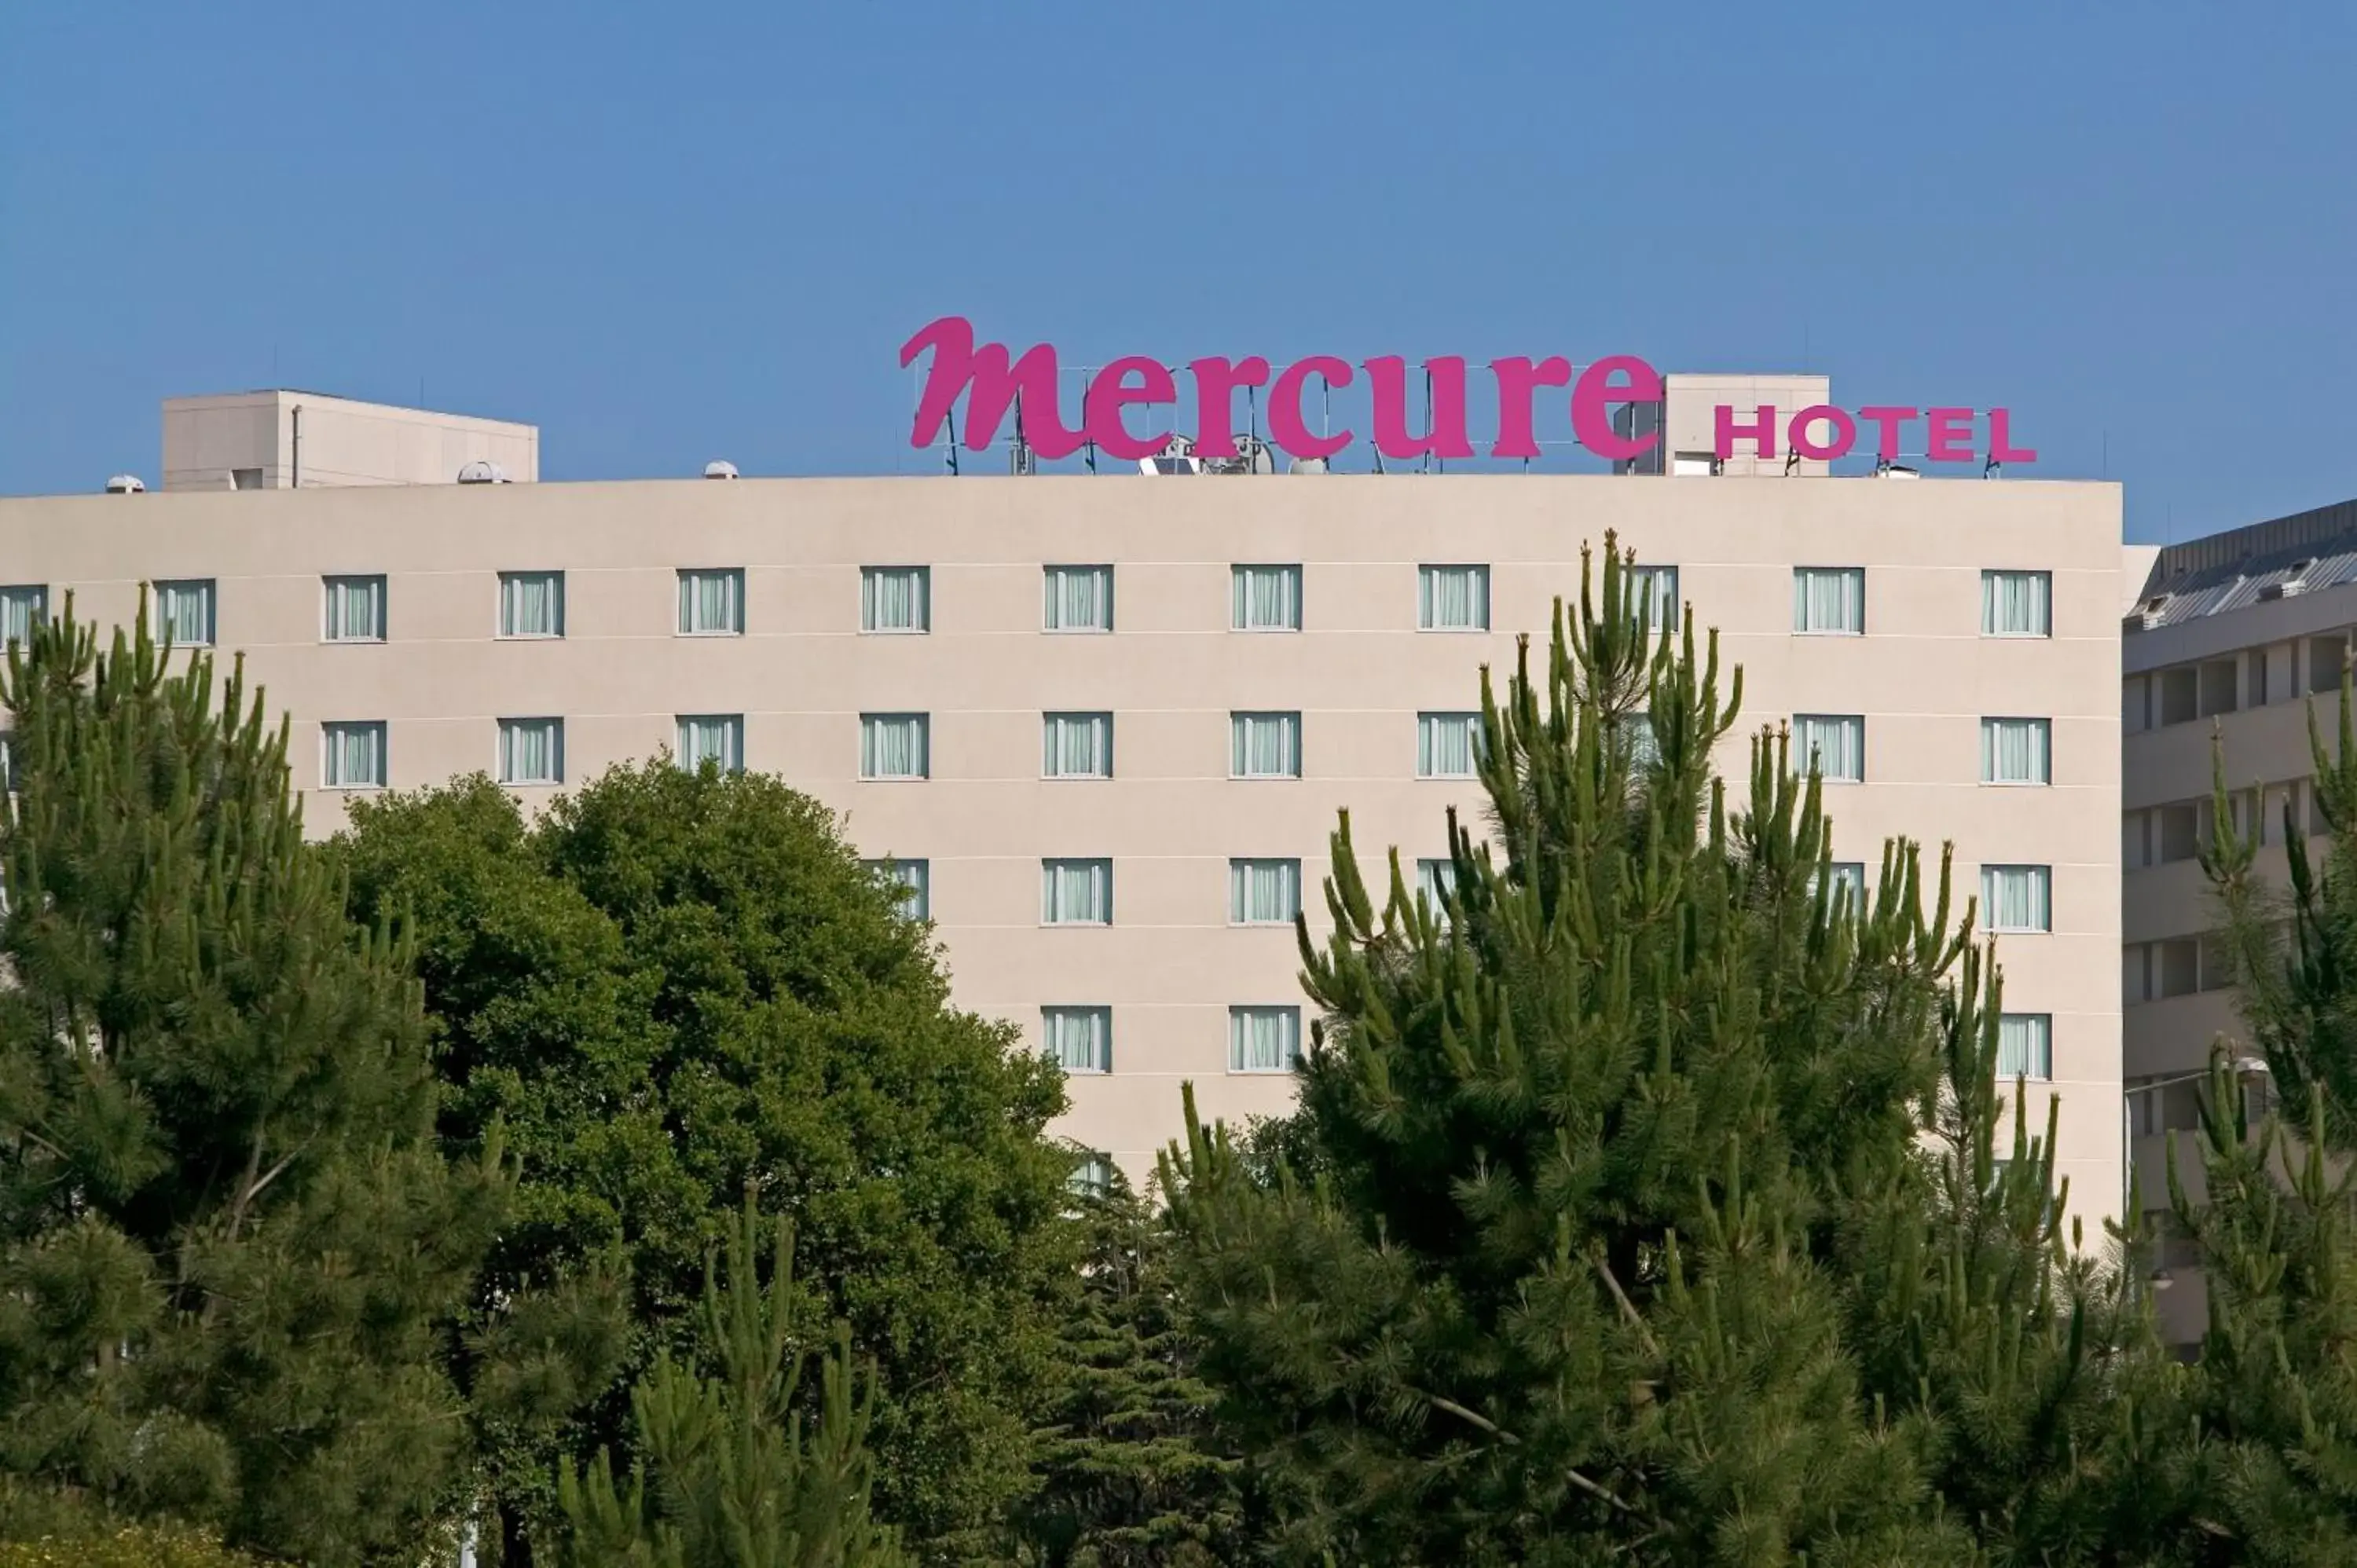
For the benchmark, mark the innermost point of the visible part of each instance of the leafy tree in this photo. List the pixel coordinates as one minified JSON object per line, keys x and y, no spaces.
{"x":674,"y":985}
{"x":742,"y":1477}
{"x":1134,"y":1474}
{"x":1643,"y":1201}
{"x":229,"y":1244}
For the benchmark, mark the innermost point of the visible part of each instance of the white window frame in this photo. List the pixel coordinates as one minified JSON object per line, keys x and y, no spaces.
{"x":924,"y":723}
{"x":1427,"y":597}
{"x":692,"y":581}
{"x":1435,"y":878}
{"x":732,"y":759}
{"x":331,"y":586}
{"x":1651,"y":580}
{"x":1051,"y":610}
{"x":28,"y":603}
{"x":916,"y":879}
{"x":1097,"y":1058}
{"x":1052,"y":869}
{"x":1846,"y":874}
{"x":505,"y":621}
{"x":1241,"y":1018}
{"x":1241,"y":599}
{"x":872,"y":577}
{"x":508,"y":728}
{"x":172,"y":588}
{"x":2040,"y":1050}
{"x":1805,"y":578}
{"x":1091,"y":1175}
{"x":1051,"y":751}
{"x":2042,"y":879}
{"x":1239,"y":724}
{"x":1992,"y":730}
{"x":1241,"y":869}
{"x":1990,"y":579}
{"x":1430,"y":727}
{"x":332,"y":735}
{"x":1802,"y":751}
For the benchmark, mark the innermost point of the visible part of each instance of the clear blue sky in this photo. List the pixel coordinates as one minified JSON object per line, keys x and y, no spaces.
{"x":667,"y":234}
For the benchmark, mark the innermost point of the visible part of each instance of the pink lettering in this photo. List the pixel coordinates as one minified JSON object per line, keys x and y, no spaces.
{"x":1285,"y":426}
{"x":1387,"y":379}
{"x":1952,"y":434}
{"x":1887,"y":419}
{"x":1110,"y":393}
{"x":990,"y":384}
{"x":1762,"y":431}
{"x":1216,"y":382}
{"x":1591,"y":401}
{"x":1517,"y":379}
{"x":2001,"y":447}
{"x":1845,"y":434}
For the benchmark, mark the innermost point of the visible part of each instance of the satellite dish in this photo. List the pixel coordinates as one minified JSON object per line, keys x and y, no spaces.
{"x":720,"y":468}
{"x":125,"y":485}
{"x":1308,"y":465}
{"x":482,"y":473}
{"x":1177,"y":456}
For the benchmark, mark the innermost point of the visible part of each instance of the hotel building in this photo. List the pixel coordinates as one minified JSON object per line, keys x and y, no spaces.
{"x":1103,"y":725}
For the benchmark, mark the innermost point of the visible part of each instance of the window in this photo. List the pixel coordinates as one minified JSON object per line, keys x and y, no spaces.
{"x":1264,"y":892}
{"x":1078,"y":1039}
{"x":1080,"y":598}
{"x":915,"y":878}
{"x":532,"y":604}
{"x":2025,"y":1046}
{"x":1435,"y":881}
{"x":1076,"y":745}
{"x":22,"y":608}
{"x":2180,"y":696}
{"x":1447,"y":746}
{"x":1452,"y":599}
{"x":184,"y":612}
{"x":1091,"y":1175}
{"x":1829,"y":599}
{"x":354,"y":609}
{"x":1264,"y":1039}
{"x":1836,"y":741}
{"x":1645,"y":747}
{"x":1076,"y":893}
{"x":1265,"y":599}
{"x":1846,"y":880}
{"x":2182,"y":834}
{"x":354,"y":757}
{"x":532,"y":751}
{"x":896,"y":598}
{"x":1653,"y":592}
{"x":712,"y":603}
{"x":716,"y":738}
{"x":1264,"y":746}
{"x":2016,"y":899}
{"x":2327,"y":657}
{"x":895,"y":746}
{"x":2017,"y":751}
{"x":2017,"y":603}
{"x":245,"y":479}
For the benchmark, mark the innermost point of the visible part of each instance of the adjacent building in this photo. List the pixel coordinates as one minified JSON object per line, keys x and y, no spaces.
{"x":1101,"y":728}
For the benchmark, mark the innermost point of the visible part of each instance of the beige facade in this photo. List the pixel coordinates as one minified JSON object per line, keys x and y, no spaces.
{"x":780,"y":642}
{"x":2227,"y":640}
{"x":289,"y":440}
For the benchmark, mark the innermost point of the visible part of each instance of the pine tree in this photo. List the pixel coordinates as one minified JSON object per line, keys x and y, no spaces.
{"x":229,"y":1244}
{"x":731,"y":1472}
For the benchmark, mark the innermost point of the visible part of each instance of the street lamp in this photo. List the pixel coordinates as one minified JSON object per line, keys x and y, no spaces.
{"x":2242,"y":1066}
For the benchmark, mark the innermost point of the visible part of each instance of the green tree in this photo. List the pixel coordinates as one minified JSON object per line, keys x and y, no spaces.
{"x":742,"y":1477}
{"x":1643,"y":1202}
{"x":230,"y":1244}
{"x":1133,"y":1473}
{"x":671,"y":985}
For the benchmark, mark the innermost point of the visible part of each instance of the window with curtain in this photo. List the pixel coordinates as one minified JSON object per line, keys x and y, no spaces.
{"x":1846,"y":878}
{"x":1654,"y":590}
{"x":355,"y":756}
{"x":1829,"y":599}
{"x":712,"y":602}
{"x":1076,"y":745}
{"x":1091,"y":1175}
{"x":1080,"y":598}
{"x":2025,"y":1046}
{"x":1078,"y":1039}
{"x":895,"y":746}
{"x":1452,"y":599}
{"x":1264,"y":746}
{"x":1644,"y":749}
{"x":1447,"y":746}
{"x":896,"y":598}
{"x":1076,"y":891}
{"x":2016,"y":899}
{"x":1264,"y":598}
{"x":1836,"y":742}
{"x":915,"y":878}
{"x":184,"y":612}
{"x":1436,"y":880}
{"x":2017,"y":603}
{"x":716,"y":738}
{"x":532,"y":751}
{"x":1264,"y":892}
{"x":2017,"y":751}
{"x":22,"y":608}
{"x":532,"y":604}
{"x":1264,"y":1039}
{"x":355,"y":609}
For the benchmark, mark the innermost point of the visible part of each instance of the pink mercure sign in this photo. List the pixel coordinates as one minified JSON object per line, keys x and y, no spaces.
{"x":992,"y":381}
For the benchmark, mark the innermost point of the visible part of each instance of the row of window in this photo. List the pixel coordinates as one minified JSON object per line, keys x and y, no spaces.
{"x":1079,"y":746}
{"x":2252,"y":678}
{"x":1076,"y":598}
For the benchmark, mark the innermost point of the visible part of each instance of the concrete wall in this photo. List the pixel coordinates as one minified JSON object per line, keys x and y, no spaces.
{"x":207,"y":441}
